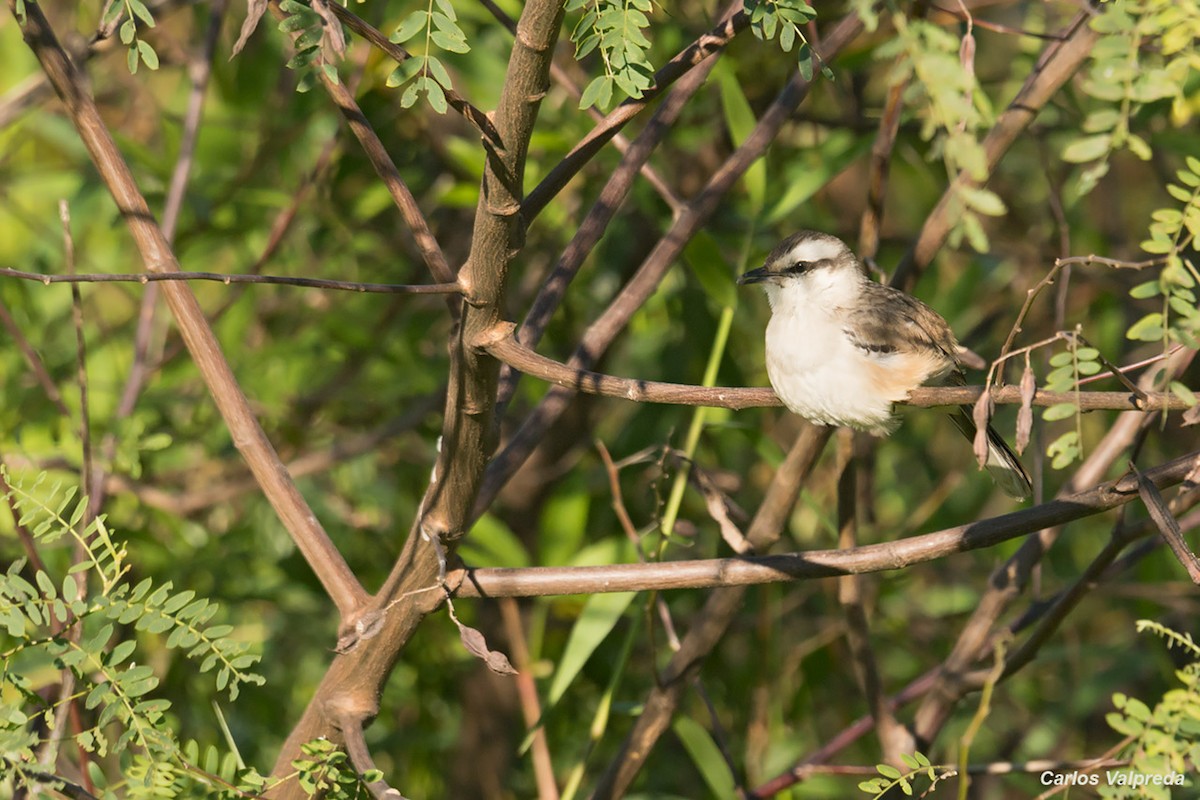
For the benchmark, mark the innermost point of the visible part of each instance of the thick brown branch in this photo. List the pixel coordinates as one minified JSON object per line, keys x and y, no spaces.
{"x":247,"y":434}
{"x":366,"y":655}
{"x":501,"y":344}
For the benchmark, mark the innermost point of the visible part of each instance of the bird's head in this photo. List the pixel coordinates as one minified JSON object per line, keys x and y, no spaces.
{"x":807,"y":262}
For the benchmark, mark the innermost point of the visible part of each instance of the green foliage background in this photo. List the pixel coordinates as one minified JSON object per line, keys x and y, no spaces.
{"x":328,"y":370}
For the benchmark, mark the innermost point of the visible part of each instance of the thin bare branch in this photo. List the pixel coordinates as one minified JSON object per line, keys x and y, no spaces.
{"x":594,"y":224}
{"x":33,"y":360}
{"x":230,"y":279}
{"x":531,"y":710}
{"x":1168,"y":526}
{"x":385,"y":167}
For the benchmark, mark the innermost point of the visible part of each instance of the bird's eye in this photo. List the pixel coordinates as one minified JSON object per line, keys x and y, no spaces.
{"x":798,"y":268}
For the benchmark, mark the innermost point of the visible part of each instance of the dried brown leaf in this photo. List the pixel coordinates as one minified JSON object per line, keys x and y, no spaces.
{"x":333,"y":38}
{"x":966,"y":54}
{"x":981,"y":414}
{"x":1192,"y":416}
{"x":1025,"y":413}
{"x":254,"y":11}
{"x":477,"y":646}
{"x":718,"y":508}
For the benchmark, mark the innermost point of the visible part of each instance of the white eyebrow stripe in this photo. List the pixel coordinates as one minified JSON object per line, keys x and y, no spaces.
{"x":815,"y":250}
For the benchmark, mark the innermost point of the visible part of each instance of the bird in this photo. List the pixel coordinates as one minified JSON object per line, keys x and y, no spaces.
{"x":842,"y":349}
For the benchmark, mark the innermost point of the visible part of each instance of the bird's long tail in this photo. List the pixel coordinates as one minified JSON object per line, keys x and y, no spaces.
{"x":1002,"y":462}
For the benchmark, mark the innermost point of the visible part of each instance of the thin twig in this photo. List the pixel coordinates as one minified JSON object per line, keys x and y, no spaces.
{"x":40,"y":372}
{"x":230,"y":279}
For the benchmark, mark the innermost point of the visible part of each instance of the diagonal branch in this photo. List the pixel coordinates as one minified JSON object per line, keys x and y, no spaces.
{"x":491,"y":138}
{"x":248,"y":436}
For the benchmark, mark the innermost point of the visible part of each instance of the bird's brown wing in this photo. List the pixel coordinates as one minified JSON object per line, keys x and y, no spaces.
{"x":890,"y":321}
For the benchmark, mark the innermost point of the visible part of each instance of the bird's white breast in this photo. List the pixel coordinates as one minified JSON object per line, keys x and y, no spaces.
{"x":817,"y":370}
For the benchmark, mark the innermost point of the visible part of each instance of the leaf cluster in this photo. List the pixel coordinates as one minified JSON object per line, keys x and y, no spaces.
{"x":1164,"y":739}
{"x":1145,"y":55}
{"x":617,"y":30}
{"x":63,"y":624}
{"x":891,"y":778}
{"x":311,"y":35}
{"x":140,"y":51}
{"x":937,"y":70}
{"x":426,"y":74}
{"x":326,"y":771}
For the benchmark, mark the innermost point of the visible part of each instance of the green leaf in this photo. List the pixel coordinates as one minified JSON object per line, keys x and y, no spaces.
{"x":147,"y":53}
{"x":706,"y":756}
{"x":405,"y":72}
{"x":887,"y":771}
{"x":1087,"y":148}
{"x":450,"y":42}
{"x":1062,"y":360}
{"x":983,"y":200}
{"x":1183,"y":393}
{"x":804,"y":62}
{"x":493,"y":544}
{"x":112,"y":14}
{"x":598,"y":93}
{"x":1145,"y":290}
{"x":1147,"y":329}
{"x":704,"y":258}
{"x":1059,"y":411}
{"x":437,"y":97}
{"x":438,"y":71}
{"x":142,"y":13}
{"x":741,"y":123}
{"x":599,"y":616}
{"x":1179,"y":193}
{"x":410,"y":27}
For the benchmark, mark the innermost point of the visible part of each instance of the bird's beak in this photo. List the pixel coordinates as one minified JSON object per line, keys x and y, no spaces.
{"x":754,"y":276}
